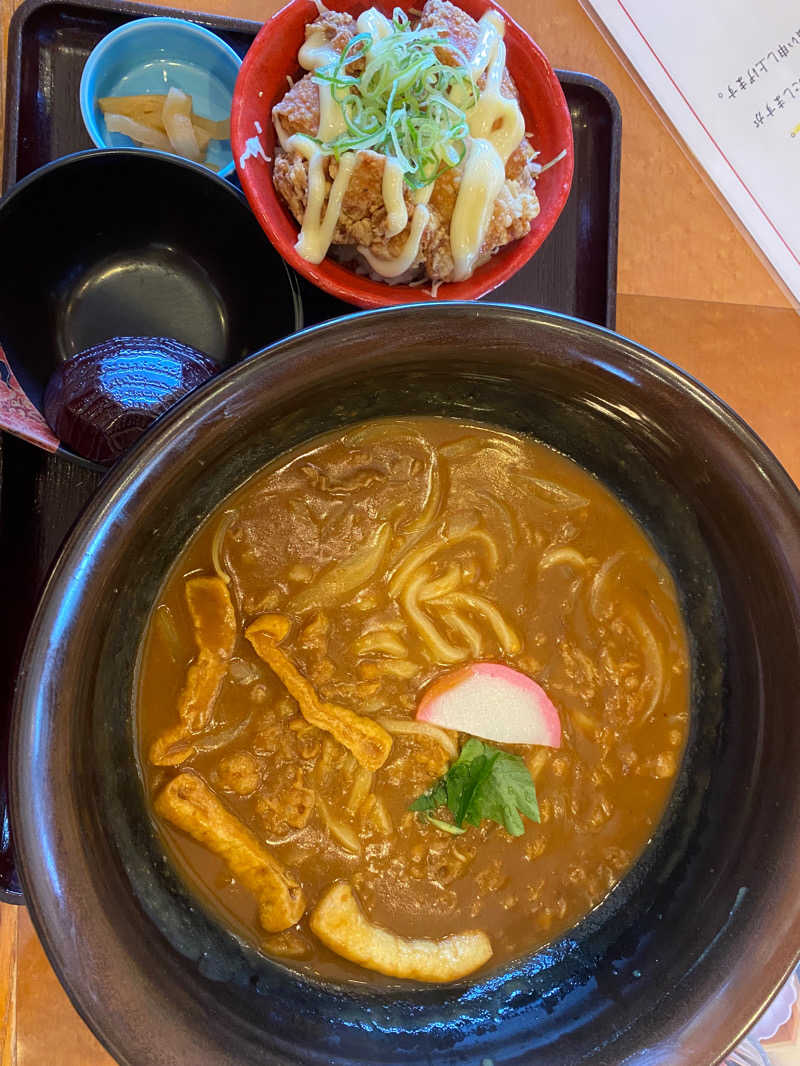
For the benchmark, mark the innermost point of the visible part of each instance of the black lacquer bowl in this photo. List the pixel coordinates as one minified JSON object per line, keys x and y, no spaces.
{"x":134,"y":243}
{"x":676,"y":963}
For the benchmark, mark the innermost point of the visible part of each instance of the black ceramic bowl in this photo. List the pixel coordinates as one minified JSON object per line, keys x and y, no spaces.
{"x":678,"y":961}
{"x":134,"y":243}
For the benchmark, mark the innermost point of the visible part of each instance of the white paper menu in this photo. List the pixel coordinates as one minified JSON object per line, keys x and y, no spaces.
{"x":727,"y":75}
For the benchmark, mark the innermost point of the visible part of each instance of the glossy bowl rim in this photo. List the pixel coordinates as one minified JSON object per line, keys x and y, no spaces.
{"x":133,"y":28}
{"x":132,"y":468}
{"x":344,"y":283}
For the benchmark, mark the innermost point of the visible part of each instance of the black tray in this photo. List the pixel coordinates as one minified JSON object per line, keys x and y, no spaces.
{"x":41,"y":495}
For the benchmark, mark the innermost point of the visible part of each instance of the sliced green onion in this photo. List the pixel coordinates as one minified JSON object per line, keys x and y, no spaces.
{"x":447,"y":827}
{"x":406,"y":104}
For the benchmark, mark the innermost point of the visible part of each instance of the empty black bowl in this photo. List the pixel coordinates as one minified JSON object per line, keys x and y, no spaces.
{"x":134,"y":243}
{"x":676,"y":963}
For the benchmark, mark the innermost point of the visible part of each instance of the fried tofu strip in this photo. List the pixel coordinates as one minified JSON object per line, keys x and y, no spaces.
{"x":341,"y":925}
{"x":212,"y":614}
{"x":214,"y":624}
{"x":195,"y":704}
{"x":368,"y":741}
{"x":190,"y":804}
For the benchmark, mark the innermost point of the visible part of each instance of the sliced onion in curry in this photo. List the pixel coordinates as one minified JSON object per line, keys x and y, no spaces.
{"x":509,"y":559}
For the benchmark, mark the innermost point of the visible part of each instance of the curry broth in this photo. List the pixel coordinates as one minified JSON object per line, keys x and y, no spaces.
{"x":351,"y":539}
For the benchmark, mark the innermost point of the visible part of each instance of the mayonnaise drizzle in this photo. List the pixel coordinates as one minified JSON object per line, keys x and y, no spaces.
{"x":495,"y":118}
{"x":316,"y":52}
{"x":496,"y":129}
{"x":392,"y":190}
{"x":317,"y":230}
{"x":423,"y":195}
{"x":283,"y":137}
{"x":298,"y":142}
{"x":491,"y":28}
{"x":481,"y":182}
{"x":404,"y":260}
{"x":373,"y":22}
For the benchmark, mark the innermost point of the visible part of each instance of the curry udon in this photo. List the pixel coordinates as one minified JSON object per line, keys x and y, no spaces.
{"x":295,"y":641}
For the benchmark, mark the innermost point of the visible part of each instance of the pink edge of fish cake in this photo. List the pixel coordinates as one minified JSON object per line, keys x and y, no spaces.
{"x":495,"y":702}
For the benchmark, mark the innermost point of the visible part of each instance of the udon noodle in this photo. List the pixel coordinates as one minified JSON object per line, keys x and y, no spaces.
{"x":314,"y":645}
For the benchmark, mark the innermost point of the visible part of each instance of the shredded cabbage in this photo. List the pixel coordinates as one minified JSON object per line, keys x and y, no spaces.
{"x":402,"y":104}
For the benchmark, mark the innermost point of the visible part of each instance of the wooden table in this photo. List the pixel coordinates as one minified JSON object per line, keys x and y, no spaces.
{"x":690,"y":286}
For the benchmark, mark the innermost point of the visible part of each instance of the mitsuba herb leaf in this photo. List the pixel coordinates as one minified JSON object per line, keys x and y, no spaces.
{"x":507,"y":793}
{"x":484,"y":782}
{"x":429,"y":801}
{"x":465,"y":779}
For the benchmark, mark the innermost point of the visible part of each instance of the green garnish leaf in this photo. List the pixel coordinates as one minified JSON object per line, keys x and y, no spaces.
{"x":406,"y":103}
{"x":437,"y":797}
{"x":483,"y":783}
{"x":509,"y":792}
{"x":466,"y":778}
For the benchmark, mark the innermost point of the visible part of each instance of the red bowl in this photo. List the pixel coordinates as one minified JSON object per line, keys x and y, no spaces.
{"x":262,"y":82}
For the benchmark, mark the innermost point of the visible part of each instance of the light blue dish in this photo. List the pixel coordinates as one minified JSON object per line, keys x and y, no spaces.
{"x":151,"y":55}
